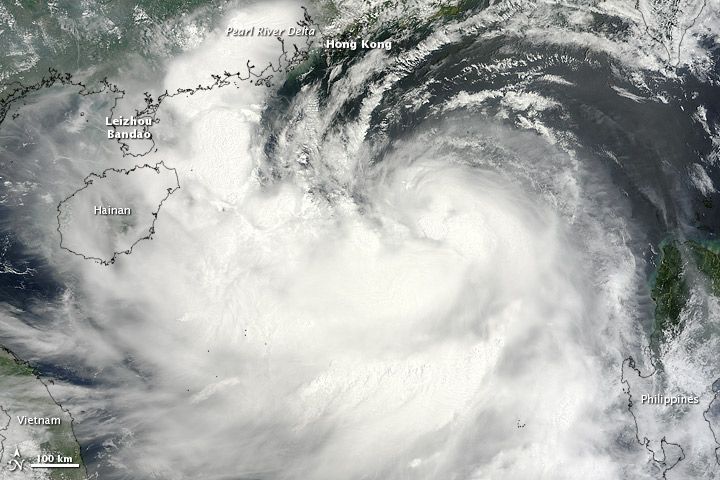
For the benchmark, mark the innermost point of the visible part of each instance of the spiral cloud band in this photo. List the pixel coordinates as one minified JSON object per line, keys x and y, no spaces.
{"x":435,"y":252}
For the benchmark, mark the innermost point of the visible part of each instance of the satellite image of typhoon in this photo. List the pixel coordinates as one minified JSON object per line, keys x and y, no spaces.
{"x":360,"y":240}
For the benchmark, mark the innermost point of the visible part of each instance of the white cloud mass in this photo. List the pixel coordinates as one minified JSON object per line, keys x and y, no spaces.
{"x":457,"y":311}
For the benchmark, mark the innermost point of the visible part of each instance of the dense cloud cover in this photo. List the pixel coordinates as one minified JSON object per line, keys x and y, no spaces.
{"x":370,"y":277}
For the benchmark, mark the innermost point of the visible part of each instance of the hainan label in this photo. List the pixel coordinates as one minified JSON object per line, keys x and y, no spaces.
{"x":100,"y":210}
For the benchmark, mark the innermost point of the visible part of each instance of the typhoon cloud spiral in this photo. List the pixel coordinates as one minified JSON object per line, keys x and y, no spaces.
{"x":351,"y":240}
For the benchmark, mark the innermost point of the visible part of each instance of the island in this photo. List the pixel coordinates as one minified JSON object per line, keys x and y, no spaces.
{"x":114,"y":211}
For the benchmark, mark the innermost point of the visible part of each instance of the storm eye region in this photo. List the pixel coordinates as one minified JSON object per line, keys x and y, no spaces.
{"x":443,"y":298}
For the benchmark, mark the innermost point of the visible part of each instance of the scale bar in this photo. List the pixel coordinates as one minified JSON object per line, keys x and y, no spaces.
{"x":55,"y":465}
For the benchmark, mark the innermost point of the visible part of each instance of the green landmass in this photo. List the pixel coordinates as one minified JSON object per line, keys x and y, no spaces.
{"x":22,"y":393}
{"x":669,"y":286}
{"x":707,"y":258}
{"x":669,"y":290}
{"x":11,"y":367}
{"x":455,"y":9}
{"x":67,"y":35}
